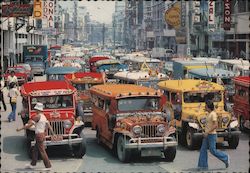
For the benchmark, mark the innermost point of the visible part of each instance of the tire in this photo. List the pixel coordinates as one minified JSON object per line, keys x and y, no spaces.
{"x":122,"y":153}
{"x":170,"y":154}
{"x":191,"y":143}
{"x":80,"y":149}
{"x":233,"y":142}
{"x":241,"y":123}
{"x":98,"y":136}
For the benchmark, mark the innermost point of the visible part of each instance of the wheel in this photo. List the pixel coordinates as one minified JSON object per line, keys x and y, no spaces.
{"x":123,"y":154}
{"x":80,"y":149}
{"x":170,"y":154}
{"x":190,"y":139}
{"x":233,"y":142}
{"x":98,"y":136}
{"x":242,"y":121}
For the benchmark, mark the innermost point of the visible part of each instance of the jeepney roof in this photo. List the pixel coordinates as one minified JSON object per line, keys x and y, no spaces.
{"x":235,"y":61}
{"x":137,"y":75}
{"x":212,"y":72}
{"x":124,"y":90}
{"x":242,"y":80}
{"x":32,"y":87}
{"x":107,"y":61}
{"x":61,"y":70}
{"x":194,"y":62}
{"x":139,"y":58}
{"x":83,"y":74}
{"x":189,"y":85}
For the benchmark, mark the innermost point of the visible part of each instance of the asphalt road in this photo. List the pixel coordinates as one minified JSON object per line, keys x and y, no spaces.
{"x":100,"y":159}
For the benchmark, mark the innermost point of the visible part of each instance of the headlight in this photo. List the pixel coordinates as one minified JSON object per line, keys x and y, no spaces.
{"x":120,"y":70}
{"x":106,"y":70}
{"x":67,"y":124}
{"x":225,"y":120}
{"x":161,"y":128}
{"x":137,"y":129}
{"x":203,"y":120}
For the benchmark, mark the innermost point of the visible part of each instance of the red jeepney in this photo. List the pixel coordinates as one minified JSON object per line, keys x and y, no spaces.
{"x":241,"y":101}
{"x":20,"y":73}
{"x":58,"y":98}
{"x":94,"y":59}
{"x":82,"y":81}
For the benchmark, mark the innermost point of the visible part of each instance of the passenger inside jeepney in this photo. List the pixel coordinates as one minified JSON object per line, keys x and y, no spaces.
{"x":177,"y":107}
{"x":66,"y":101}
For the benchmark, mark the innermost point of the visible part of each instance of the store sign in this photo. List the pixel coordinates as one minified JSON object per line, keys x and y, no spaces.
{"x":173,"y":16}
{"x":227,"y":15}
{"x":183,"y":13}
{"x":211,"y":15}
{"x":38,"y":9}
{"x":217,"y":36}
{"x":17,"y":10}
{"x":48,"y":13}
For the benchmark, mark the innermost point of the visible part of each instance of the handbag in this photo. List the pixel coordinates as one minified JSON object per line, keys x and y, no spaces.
{"x":13,"y":100}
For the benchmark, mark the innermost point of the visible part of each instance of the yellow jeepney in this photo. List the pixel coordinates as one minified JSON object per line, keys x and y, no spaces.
{"x":185,"y":103}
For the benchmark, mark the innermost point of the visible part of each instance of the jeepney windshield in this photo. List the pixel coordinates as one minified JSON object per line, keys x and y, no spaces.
{"x":53,"y":102}
{"x":138,"y":104}
{"x":191,"y":97}
{"x":83,"y":86}
{"x":56,"y":77}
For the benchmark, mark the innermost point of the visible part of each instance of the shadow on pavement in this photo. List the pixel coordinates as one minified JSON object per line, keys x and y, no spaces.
{"x":205,"y":170}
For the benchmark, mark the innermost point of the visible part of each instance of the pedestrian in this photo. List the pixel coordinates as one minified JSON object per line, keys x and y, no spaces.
{"x":40,"y":122}
{"x":13,"y":93}
{"x":209,"y":139}
{"x":1,"y":94}
{"x":12,"y":78}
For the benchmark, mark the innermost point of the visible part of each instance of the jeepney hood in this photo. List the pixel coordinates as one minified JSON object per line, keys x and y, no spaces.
{"x":141,"y":119}
{"x":57,"y":114}
{"x":198,"y":114}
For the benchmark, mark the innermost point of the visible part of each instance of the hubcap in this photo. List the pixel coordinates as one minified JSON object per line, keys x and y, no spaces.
{"x":188,"y":138}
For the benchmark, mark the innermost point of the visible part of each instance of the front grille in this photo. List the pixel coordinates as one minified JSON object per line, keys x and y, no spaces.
{"x":57,"y":127}
{"x":149,"y":131}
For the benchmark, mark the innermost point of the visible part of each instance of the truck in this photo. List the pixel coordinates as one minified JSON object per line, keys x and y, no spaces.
{"x":37,"y":57}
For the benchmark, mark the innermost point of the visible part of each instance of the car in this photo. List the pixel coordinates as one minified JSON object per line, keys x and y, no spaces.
{"x":28,"y":70}
{"x":20,"y":73}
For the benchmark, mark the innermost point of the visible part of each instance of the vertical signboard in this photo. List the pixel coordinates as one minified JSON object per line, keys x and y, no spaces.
{"x":211,"y":15}
{"x":227,"y":15}
{"x":38,"y":9}
{"x":48,"y":13}
{"x":183,"y":13}
{"x":197,"y":12}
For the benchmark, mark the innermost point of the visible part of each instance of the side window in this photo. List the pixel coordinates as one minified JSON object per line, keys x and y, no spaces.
{"x":167,"y":94}
{"x":107,"y":104}
{"x":100,"y":103}
{"x":175,"y":98}
{"x":94,"y":100}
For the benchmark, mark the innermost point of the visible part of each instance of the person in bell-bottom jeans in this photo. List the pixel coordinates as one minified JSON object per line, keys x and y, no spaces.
{"x":209,"y":139}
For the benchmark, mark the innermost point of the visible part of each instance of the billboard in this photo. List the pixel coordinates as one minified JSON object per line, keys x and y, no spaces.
{"x":211,"y":15}
{"x":48,"y":14}
{"x":227,"y":15}
{"x":38,"y":9}
{"x":173,"y":16}
{"x":17,"y":10}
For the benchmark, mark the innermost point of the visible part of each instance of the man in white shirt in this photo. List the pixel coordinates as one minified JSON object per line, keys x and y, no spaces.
{"x":1,"y":94}
{"x":12,"y":78}
{"x":40,"y":122}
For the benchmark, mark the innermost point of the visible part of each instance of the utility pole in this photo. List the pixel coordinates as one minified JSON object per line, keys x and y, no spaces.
{"x":114,"y":26}
{"x":103,"y":35}
{"x":75,"y":20}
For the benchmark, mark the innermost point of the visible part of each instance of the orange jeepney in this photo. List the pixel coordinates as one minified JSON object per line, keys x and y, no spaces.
{"x":241,"y":101}
{"x":128,"y":119}
{"x":82,"y":81}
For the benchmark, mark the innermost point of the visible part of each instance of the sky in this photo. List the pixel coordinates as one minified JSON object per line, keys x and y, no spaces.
{"x":100,"y":11}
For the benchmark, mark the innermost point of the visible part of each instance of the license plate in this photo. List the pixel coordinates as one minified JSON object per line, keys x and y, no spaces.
{"x":57,"y":138}
{"x":150,"y":152}
{"x":220,"y":139}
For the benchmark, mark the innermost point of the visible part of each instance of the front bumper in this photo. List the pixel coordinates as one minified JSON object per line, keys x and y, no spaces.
{"x":158,"y":142}
{"x":227,"y":133}
{"x":67,"y":140}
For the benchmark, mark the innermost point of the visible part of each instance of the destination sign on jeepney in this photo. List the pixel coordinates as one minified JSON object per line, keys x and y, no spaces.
{"x":51,"y":92}
{"x":204,"y":85}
